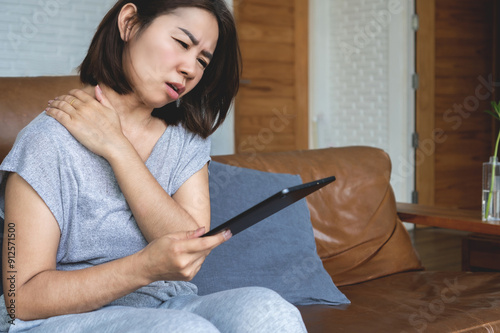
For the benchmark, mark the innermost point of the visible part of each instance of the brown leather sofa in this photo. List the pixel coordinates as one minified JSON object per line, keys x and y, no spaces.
{"x":363,"y":244}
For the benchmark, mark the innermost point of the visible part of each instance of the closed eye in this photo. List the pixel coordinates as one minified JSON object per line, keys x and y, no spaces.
{"x":184,"y":45}
{"x":203,"y":63}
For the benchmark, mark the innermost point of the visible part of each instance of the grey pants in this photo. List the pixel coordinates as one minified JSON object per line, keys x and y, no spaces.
{"x":251,"y":309}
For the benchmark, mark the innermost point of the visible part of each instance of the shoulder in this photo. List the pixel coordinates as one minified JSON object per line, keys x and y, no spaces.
{"x":44,"y":127}
{"x":43,"y":136}
{"x":189,"y":139}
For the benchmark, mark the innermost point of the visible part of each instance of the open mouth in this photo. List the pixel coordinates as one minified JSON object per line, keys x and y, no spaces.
{"x":178,"y":88}
{"x":173,"y":87}
{"x":174,"y":90}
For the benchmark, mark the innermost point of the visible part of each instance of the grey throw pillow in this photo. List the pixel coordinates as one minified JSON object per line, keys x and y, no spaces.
{"x":278,"y":253}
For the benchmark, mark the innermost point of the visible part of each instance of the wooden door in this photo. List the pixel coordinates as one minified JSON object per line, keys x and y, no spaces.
{"x":455,"y":64}
{"x":271,"y":109}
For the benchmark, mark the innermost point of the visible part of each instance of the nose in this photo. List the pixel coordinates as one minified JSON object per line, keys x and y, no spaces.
{"x":187,"y":67}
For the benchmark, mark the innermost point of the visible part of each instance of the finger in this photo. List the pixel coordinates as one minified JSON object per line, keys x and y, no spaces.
{"x":58,"y":98}
{"x":188,"y":234}
{"x":197,"y":264}
{"x":102,"y":98}
{"x":192,"y":267}
{"x":207,"y":243}
{"x":222,"y":237}
{"x":68,"y":100}
{"x":60,"y":115}
{"x":195,"y":233}
{"x":82,"y":95}
{"x":62,"y":109}
{"x":62,"y":104}
{"x":73,"y":100}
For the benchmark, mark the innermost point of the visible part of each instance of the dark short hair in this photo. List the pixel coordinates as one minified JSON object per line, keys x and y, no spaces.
{"x":204,"y":108}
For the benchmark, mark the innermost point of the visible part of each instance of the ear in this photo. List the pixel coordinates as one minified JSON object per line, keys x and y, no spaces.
{"x":126,"y":20}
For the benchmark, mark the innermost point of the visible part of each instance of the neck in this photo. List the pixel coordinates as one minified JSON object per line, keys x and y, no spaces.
{"x":132,"y":112}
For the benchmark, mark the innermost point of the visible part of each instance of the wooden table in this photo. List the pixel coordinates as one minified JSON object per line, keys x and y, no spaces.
{"x":480,"y":250}
{"x":456,"y":219}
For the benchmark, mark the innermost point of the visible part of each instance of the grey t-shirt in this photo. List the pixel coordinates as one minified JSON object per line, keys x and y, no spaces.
{"x":80,"y":189}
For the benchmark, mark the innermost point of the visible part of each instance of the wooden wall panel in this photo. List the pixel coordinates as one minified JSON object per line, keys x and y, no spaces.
{"x":266,"y":53}
{"x":273,"y":97}
{"x":464,"y":48}
{"x":424,"y":97}
{"x":302,"y":74}
{"x":455,"y":46}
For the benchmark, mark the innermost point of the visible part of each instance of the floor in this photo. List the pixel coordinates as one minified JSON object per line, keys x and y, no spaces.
{"x":439,"y":249}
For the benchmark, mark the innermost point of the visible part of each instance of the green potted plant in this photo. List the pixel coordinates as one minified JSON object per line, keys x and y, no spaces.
{"x":489,"y":176}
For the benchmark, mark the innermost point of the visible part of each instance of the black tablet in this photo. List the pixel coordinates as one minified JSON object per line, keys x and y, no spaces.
{"x":269,"y":206}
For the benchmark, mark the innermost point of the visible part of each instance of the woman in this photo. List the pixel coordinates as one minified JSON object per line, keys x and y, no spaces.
{"x":108,"y":208}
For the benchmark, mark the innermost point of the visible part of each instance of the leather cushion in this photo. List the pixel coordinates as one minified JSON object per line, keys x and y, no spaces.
{"x":414,"y":302}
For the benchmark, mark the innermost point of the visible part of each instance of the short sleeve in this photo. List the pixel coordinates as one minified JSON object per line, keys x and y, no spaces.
{"x":36,"y":158}
{"x":195,"y":154}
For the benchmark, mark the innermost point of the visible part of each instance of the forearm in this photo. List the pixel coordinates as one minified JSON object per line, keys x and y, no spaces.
{"x":155,"y":211}
{"x":53,"y":293}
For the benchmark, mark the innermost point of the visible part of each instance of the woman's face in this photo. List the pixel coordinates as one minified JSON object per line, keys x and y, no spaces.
{"x":167,"y":59}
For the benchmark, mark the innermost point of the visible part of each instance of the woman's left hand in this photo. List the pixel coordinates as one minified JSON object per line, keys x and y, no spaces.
{"x":93,"y":122}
